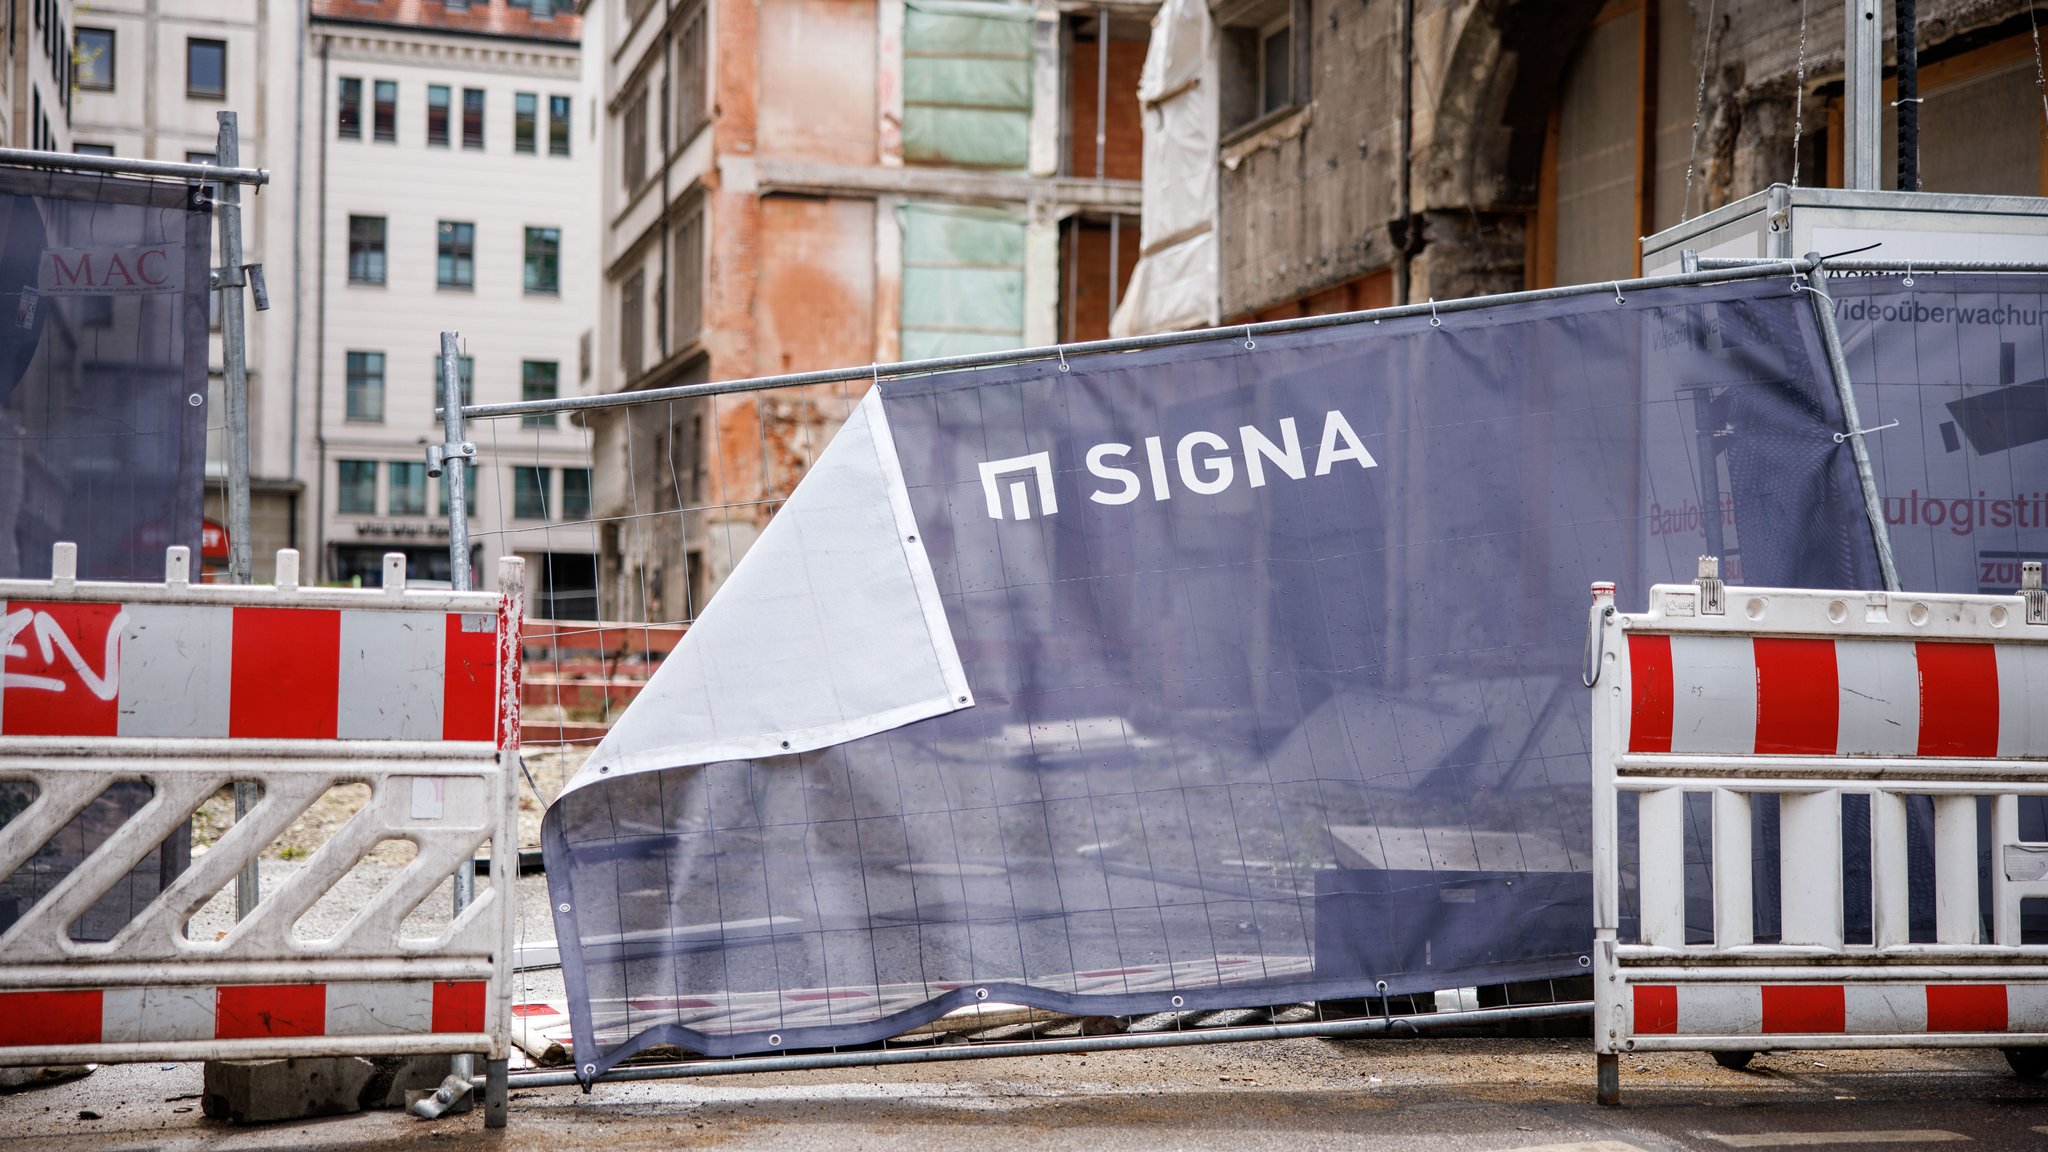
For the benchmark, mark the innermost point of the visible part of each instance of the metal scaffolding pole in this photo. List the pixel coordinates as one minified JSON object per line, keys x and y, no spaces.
{"x":228,"y":280}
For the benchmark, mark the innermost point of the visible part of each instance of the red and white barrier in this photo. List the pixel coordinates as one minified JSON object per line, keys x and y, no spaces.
{"x":35,"y":1023}
{"x":188,"y":688}
{"x":1808,"y":696}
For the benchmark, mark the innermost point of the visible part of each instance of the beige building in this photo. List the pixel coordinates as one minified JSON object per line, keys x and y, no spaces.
{"x":36,"y":74}
{"x":448,"y":174}
{"x":426,"y":173}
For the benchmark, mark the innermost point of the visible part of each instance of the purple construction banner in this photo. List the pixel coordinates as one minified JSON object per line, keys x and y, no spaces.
{"x":1248,"y":674}
{"x":103,"y":349}
{"x":103,"y":418}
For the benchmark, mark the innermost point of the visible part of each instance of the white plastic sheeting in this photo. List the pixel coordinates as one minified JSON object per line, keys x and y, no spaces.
{"x":829,"y":629}
{"x":1175,"y":282}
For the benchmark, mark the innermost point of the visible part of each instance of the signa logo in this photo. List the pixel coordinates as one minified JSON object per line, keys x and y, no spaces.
{"x":1204,"y":461}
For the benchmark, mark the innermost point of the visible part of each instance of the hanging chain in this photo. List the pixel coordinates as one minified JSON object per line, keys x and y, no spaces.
{"x":1699,"y":103}
{"x":1799,"y":96}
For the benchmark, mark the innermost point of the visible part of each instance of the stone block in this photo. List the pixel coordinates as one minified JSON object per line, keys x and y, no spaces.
{"x":267,"y":1091}
{"x":398,"y":1076}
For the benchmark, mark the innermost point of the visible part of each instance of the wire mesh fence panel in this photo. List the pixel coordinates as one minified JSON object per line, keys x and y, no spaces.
{"x":1187,"y":681}
{"x":1220,"y":675}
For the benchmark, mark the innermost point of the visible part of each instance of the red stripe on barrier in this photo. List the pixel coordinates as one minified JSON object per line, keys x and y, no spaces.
{"x":1966,"y":1008}
{"x":469,"y":687}
{"x":458,"y":1006}
{"x":1958,"y":699}
{"x":1649,"y":670}
{"x":286,"y":673}
{"x":65,"y":676}
{"x":256,"y":1011}
{"x":1656,"y":1010}
{"x":1798,"y":703}
{"x":35,"y":1019}
{"x":1805,"y":1008}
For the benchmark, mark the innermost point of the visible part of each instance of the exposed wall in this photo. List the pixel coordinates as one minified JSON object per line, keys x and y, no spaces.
{"x":817,"y":77}
{"x":1305,"y":203}
{"x":1312,"y":200}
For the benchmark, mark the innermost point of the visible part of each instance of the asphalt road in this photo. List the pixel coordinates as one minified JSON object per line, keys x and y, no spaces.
{"x":1290,"y":1096}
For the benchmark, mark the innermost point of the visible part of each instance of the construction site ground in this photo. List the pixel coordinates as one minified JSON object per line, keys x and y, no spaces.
{"x":1287,"y":1096}
{"x":1438,"y":1095}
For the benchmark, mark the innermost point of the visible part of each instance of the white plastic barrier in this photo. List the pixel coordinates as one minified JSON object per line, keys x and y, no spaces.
{"x":1741,"y":692}
{"x":187,"y":688}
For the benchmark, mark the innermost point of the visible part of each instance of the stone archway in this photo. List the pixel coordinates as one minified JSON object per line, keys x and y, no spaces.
{"x":1486,"y":75}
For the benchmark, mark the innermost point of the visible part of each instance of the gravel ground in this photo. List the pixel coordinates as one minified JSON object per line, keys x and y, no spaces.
{"x":1290,"y":1096}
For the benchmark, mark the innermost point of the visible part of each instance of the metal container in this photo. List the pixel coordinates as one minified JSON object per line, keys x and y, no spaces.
{"x":1783,"y":221}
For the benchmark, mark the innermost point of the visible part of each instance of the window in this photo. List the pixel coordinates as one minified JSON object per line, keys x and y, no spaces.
{"x":1262,"y":62}
{"x":537,"y":382}
{"x":206,"y":69}
{"x":437,"y":115}
{"x":195,"y":157}
{"x":632,"y":314}
{"x":472,"y":118}
{"x":575,"y":494}
{"x":357,"y":490}
{"x":366,"y":387}
{"x":689,"y":289}
{"x":366,"y":249}
{"x":660,"y":318}
{"x":95,"y":54}
{"x":408,"y":488}
{"x":468,"y":488}
{"x":348,"y":118}
{"x":1276,"y":71}
{"x":558,"y":125}
{"x":583,"y":355}
{"x":636,"y":142}
{"x":690,"y":111}
{"x":386,"y":128}
{"x":525,"y":122}
{"x":93,"y":149}
{"x":530,"y":492}
{"x":465,"y":375}
{"x":456,"y":267}
{"x":544,"y":260}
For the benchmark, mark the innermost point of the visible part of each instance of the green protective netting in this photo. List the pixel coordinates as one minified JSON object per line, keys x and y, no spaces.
{"x":963,"y":280}
{"x":966,"y":84}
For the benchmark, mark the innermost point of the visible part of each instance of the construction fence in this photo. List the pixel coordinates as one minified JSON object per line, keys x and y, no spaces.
{"x":823,"y":836}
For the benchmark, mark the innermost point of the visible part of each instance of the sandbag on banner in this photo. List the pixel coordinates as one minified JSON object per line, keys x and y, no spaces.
{"x":1201,"y":677}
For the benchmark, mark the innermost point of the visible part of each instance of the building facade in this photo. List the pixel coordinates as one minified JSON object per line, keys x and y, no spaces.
{"x":37,"y":74}
{"x":802,"y":184}
{"x":1442,"y":148}
{"x":449,"y":164}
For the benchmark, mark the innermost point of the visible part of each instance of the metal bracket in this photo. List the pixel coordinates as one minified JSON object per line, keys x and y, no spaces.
{"x":1713,"y":594}
{"x":439,"y":454}
{"x":2031,"y":590}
